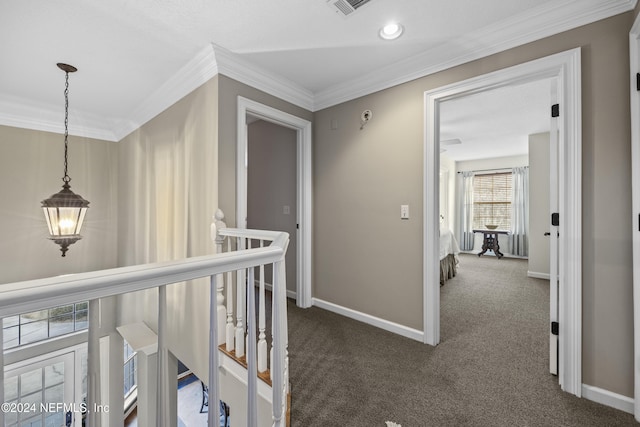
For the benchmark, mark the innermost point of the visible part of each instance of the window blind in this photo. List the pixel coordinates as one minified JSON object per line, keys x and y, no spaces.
{"x":492,"y":200}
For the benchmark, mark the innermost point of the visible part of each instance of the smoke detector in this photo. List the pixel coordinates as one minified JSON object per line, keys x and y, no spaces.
{"x":346,"y":7}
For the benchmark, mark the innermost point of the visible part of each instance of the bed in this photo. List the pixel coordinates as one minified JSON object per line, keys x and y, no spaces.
{"x":449,"y":251}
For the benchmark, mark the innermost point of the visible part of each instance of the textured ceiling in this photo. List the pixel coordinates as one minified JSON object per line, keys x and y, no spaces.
{"x":127,"y":51}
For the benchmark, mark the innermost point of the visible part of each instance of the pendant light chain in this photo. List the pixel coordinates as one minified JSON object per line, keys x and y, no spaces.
{"x":65,"y":211}
{"x":66,"y":178}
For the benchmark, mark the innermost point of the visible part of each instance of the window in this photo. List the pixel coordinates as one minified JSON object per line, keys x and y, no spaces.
{"x":35,"y":386}
{"x":492,"y":200}
{"x":44,"y":324}
{"x":130,"y":369}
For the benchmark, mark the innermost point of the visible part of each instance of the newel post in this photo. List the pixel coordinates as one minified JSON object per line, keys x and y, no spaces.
{"x":221,"y":310}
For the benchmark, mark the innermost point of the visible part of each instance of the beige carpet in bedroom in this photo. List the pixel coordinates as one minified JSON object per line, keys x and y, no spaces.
{"x":489,"y":370}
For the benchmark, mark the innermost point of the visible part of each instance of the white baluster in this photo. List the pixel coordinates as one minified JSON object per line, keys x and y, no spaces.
{"x":240,"y":307}
{"x":273,"y":317}
{"x":252,"y":373}
{"x":221,"y":310}
{"x":285,"y":327}
{"x":262,"y":342}
{"x":251,"y":288}
{"x":93,"y":364}
{"x":163,"y":408}
{"x":230,"y":327}
{"x":213,"y":419}
{"x":279,"y":308}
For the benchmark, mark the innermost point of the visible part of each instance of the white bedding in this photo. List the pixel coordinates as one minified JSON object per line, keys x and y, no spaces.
{"x":448,"y":243}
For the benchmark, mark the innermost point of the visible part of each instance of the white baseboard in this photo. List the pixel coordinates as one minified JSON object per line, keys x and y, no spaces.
{"x":387,"y":325}
{"x":608,"y":398}
{"x":537,"y":275}
{"x":269,"y":287}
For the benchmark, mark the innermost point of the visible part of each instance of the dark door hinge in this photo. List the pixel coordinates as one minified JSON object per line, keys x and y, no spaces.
{"x":638,"y":81}
{"x":555,"y":219}
{"x":555,"y":327}
{"x":555,"y":110}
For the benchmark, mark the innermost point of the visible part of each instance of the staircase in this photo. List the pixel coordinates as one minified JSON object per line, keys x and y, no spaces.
{"x":231,"y":363}
{"x":258,"y":395}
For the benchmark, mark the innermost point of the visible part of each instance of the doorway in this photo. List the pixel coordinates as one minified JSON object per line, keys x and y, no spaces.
{"x":634,"y":54}
{"x":497,"y":145}
{"x":248,"y":108}
{"x":271,"y":187}
{"x":564,"y":71}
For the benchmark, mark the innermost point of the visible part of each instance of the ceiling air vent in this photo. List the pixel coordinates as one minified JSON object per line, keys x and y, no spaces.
{"x":346,"y":7}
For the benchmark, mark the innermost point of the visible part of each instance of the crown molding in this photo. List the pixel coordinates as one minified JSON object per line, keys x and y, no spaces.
{"x":232,"y":65}
{"x":192,"y":75}
{"x":211,"y":60}
{"x":16,"y":112}
{"x":544,"y":21}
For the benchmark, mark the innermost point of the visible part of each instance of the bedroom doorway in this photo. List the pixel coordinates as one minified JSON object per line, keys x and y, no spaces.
{"x":564,"y":71}
{"x":249,"y":110}
{"x":497,"y":142}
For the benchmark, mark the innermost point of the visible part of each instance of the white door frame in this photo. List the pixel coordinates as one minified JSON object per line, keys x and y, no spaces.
{"x":304,"y":184}
{"x":553,"y":233}
{"x":634,"y":55}
{"x":565,"y":69}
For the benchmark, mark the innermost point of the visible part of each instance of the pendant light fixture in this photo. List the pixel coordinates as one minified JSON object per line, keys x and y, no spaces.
{"x":65,"y":210}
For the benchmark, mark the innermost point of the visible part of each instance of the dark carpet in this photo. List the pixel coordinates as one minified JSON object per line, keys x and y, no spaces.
{"x":491,"y":368}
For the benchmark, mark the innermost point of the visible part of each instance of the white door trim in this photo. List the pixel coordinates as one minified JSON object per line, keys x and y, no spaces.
{"x":304,"y":185}
{"x":634,"y":55}
{"x":565,"y":68}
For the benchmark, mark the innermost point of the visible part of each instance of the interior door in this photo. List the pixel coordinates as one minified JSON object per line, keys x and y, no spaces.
{"x":41,"y":393}
{"x":553,"y":233}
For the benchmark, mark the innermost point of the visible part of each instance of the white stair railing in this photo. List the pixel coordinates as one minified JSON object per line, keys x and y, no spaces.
{"x":262,"y":341}
{"x":245,"y":335}
{"x":40,"y":294}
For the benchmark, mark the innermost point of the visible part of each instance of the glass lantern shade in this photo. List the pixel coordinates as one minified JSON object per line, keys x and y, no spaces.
{"x":65,"y":212}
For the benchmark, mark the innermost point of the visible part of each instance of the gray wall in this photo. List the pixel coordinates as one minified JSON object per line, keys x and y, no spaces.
{"x":32,"y":169}
{"x":539,"y":203}
{"x":271,"y":185}
{"x":366,"y":259}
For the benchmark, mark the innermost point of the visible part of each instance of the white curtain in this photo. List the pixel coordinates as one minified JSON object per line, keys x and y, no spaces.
{"x":168,"y":193}
{"x":519,"y":237}
{"x":465,"y":210}
{"x":168,"y":184}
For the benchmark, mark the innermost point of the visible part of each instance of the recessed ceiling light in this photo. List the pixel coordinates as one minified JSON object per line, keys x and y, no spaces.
{"x":391,"y":31}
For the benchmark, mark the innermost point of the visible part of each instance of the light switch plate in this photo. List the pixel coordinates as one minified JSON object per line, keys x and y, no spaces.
{"x":404,"y":211}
